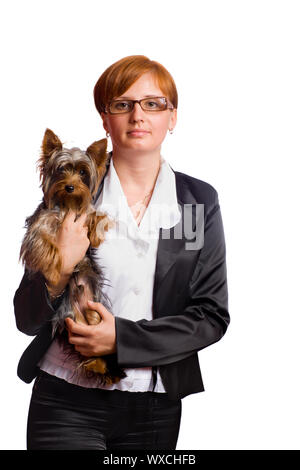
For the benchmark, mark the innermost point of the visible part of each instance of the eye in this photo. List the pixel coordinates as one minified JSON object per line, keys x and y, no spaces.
{"x":82,"y":172}
{"x":120,"y":106}
{"x":154,"y":104}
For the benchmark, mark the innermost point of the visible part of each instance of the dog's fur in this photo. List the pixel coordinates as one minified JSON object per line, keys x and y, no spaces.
{"x":69,"y":179}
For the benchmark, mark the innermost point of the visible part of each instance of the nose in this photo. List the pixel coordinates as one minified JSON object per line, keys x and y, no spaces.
{"x":69,"y":188}
{"x":137,"y":114}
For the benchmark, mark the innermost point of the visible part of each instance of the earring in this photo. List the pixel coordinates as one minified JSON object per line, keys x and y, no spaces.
{"x":107,"y":134}
{"x":171,"y":131}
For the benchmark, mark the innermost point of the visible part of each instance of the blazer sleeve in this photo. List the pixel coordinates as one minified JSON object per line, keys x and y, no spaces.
{"x":32,"y":304}
{"x":204,"y":320}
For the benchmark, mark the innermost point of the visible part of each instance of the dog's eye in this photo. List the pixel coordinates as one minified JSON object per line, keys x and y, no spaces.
{"x":82,"y":172}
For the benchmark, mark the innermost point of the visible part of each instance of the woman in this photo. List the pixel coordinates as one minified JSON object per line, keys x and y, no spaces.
{"x":165,"y":260}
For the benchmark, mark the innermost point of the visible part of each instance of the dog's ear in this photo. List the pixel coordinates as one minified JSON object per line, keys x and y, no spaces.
{"x":97,"y":151}
{"x":50,"y":143}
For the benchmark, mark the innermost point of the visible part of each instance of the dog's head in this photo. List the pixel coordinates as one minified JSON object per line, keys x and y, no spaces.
{"x":70,"y":177}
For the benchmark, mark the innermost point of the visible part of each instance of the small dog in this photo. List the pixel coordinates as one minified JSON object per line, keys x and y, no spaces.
{"x":69,"y":179}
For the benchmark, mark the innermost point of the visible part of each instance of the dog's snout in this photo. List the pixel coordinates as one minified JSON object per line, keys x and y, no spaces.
{"x":69,"y":188}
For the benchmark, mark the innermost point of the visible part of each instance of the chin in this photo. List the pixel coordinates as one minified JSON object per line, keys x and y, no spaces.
{"x":143,"y":148}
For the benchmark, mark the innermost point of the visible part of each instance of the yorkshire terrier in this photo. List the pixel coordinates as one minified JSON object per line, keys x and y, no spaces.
{"x":69,"y":180}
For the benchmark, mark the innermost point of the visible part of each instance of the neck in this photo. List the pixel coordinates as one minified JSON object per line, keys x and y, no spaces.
{"x":137,"y":171}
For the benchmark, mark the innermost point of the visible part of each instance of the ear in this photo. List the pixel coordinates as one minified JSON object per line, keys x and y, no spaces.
{"x":50,"y":143}
{"x":104,"y":121}
{"x":97,"y":151}
{"x":173,"y":118}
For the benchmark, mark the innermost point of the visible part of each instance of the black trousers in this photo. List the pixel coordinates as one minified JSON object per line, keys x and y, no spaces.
{"x":63,"y":416}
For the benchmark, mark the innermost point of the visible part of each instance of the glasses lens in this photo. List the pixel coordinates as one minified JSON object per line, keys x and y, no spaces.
{"x":120,"y":106}
{"x":154,"y":104}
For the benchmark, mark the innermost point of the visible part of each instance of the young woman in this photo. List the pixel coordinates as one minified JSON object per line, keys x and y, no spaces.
{"x":165,"y":260}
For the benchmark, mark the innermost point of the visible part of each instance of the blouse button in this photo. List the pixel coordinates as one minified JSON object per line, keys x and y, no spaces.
{"x":136,"y":290}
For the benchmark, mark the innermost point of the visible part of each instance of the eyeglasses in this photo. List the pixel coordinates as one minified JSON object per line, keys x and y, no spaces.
{"x":157,"y":103}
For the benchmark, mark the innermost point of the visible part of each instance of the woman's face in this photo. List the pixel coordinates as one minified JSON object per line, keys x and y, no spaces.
{"x":140,"y":130}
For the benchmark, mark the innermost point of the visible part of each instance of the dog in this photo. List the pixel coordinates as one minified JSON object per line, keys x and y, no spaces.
{"x":69,"y":180}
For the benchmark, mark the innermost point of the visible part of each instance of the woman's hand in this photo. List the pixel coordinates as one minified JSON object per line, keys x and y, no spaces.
{"x":94,"y":340}
{"x":72,"y":241}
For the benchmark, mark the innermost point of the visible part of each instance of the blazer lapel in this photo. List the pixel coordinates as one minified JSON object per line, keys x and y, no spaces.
{"x":174,"y":241}
{"x":167,"y":252}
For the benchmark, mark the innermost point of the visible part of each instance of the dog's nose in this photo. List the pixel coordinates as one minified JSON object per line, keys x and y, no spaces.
{"x":69,"y":188}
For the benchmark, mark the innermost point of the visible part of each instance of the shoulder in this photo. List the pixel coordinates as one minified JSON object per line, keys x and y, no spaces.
{"x":193,"y":190}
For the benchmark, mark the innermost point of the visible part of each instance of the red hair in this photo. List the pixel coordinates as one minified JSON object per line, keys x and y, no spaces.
{"x":117,"y":78}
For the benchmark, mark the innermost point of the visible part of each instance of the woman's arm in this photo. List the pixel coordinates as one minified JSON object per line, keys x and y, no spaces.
{"x":32,"y":302}
{"x":203,"y":322}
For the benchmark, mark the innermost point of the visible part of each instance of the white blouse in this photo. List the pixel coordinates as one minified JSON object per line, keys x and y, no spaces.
{"x":128,"y":259}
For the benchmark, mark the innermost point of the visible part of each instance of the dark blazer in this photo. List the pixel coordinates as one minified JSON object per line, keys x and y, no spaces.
{"x":190,"y":302}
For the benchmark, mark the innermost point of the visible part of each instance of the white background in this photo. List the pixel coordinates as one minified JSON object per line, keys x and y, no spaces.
{"x":236,"y":66}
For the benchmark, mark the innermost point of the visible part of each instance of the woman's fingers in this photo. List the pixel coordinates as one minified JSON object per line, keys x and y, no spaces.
{"x":76,"y":226}
{"x":71,"y":218}
{"x":76,"y":328}
{"x":81,"y":220}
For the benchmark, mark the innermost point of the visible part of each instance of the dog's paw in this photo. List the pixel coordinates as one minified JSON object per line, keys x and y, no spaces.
{"x":96,"y":365}
{"x":92,"y":317}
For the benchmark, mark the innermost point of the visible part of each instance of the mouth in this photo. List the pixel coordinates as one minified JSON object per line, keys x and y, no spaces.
{"x":76,"y":200}
{"x":137,"y":133}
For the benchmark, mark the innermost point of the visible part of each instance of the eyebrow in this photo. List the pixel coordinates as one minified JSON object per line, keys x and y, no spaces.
{"x":128,"y":98}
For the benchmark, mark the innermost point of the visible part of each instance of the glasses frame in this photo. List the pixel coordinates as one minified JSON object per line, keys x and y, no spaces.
{"x":107,"y":110}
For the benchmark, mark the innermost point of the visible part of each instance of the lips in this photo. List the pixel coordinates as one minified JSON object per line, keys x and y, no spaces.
{"x":138,"y":132}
